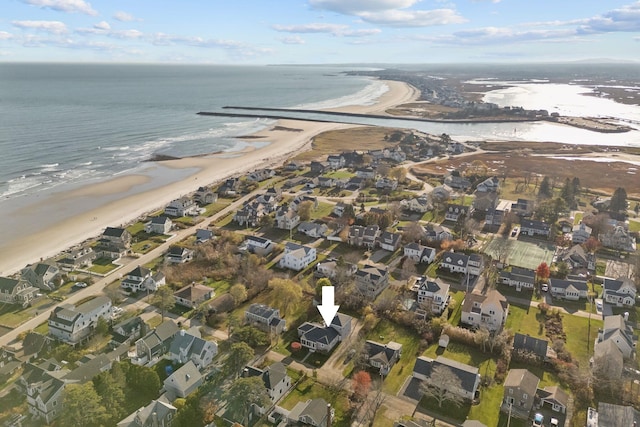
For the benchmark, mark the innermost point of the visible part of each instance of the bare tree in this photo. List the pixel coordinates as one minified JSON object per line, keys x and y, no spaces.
{"x":443,"y":386}
{"x":408,"y":268}
{"x":413,"y":232}
{"x":501,"y":249}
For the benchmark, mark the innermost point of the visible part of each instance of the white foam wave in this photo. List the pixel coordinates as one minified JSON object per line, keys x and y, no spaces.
{"x":367,"y":96}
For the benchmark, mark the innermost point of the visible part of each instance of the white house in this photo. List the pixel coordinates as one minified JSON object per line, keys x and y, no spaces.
{"x":620,"y":292}
{"x":186,"y":346}
{"x":181,"y":207}
{"x":297,"y":257}
{"x":568,"y":289}
{"x":179,"y":255}
{"x":618,"y":238}
{"x":453,"y":212}
{"x":287,"y":218}
{"x":312,"y":229}
{"x":71,"y":324}
{"x":274,"y":377}
{"x":519,"y":278}
{"x":489,"y":310}
{"x":431,"y":293}
{"x":371,"y":280}
{"x":158,"y":225}
{"x":419,"y":253}
{"x":142,"y":279}
{"x":321,"y":338}
{"x":580,"y":234}
{"x":534,"y":228}
{"x":184,"y":381}
{"x":618,"y":331}
{"x":14,"y":291}
{"x":266,"y":318}
{"x":258,"y":245}
{"x":389,"y":241}
{"x":420,"y":204}
{"x":457,"y":262}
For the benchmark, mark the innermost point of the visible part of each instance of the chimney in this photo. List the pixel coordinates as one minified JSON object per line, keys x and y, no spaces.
{"x":245,"y":373}
{"x":328,"y":414}
{"x":181,"y":332}
{"x":154,"y":420}
{"x":187,"y":377}
{"x":626,"y":316}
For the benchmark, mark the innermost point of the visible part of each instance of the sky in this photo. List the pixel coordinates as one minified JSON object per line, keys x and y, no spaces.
{"x":318,"y":31}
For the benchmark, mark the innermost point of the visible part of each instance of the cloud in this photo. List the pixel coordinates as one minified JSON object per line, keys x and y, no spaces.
{"x":413,"y":18}
{"x":354,"y":7}
{"x":624,"y":19}
{"x":104,"y":29}
{"x":292,"y":40}
{"x":102,"y":25}
{"x":320,"y":27}
{"x":72,"y":6}
{"x":236,"y":49}
{"x":53,"y":27}
{"x":5,"y":35}
{"x":124,"y":17}
{"x":495,"y":35}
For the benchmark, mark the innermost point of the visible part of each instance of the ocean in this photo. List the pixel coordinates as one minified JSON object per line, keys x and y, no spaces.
{"x":73,"y":123}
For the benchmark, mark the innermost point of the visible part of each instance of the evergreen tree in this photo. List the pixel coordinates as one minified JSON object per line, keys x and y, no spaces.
{"x":545,"y":190}
{"x":575,"y":183}
{"x":619,"y":200}
{"x":82,"y":406}
{"x":568,"y":194}
{"x":243,"y":394}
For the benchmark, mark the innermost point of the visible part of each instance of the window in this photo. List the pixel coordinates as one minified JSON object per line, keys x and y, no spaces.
{"x":525,"y":396}
{"x":510,"y":391}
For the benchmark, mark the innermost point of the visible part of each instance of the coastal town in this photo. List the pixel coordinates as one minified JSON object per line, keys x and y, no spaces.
{"x":467,"y":296}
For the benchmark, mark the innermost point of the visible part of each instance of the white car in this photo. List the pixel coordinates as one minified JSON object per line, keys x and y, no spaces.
{"x":80,"y":285}
{"x":553,"y":422}
{"x":544,"y":287}
{"x":599,"y":305}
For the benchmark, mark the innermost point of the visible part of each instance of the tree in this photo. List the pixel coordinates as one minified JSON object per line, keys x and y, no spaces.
{"x":618,"y":200}
{"x":266,"y":221}
{"x":361,"y":383}
{"x":592,"y":244}
{"x":239,"y":355}
{"x":501,"y":248}
{"x":413,"y":232}
{"x":408,"y":268}
{"x":562,"y":270}
{"x":319,"y":284}
{"x":443,"y":386}
{"x":543,"y":272}
{"x":567,"y":192}
{"x":239,"y":293}
{"x":398,"y":173}
{"x":82,"y":406}
{"x":285,"y":294}
{"x":164,"y":299}
{"x":144,"y":380}
{"x":102,"y":327}
{"x":545,"y":191}
{"x":383,"y":169}
{"x":112,"y":396}
{"x":305,"y":209}
{"x":243,"y":394}
{"x":251,"y":335}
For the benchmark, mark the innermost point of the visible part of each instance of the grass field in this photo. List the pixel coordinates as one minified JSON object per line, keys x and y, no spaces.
{"x":524,"y":254}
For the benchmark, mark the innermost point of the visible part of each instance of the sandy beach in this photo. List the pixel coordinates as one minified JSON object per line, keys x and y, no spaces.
{"x":285,"y":138}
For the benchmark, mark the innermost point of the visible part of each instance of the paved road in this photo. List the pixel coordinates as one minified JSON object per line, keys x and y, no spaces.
{"x":97,"y":288}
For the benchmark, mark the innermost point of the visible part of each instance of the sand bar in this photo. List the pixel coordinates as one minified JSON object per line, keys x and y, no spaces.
{"x":76,"y":228}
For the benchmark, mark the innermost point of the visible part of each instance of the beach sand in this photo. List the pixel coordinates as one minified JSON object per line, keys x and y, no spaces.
{"x":285,"y":138}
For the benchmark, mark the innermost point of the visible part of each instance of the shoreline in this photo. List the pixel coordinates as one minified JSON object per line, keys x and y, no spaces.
{"x":209,"y":169}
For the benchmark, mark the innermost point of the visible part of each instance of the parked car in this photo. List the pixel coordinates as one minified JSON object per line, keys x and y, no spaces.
{"x":537,"y":420}
{"x":514,"y":232}
{"x":544,"y":287}
{"x":80,"y":285}
{"x":554,"y":422}
{"x":599,"y":305}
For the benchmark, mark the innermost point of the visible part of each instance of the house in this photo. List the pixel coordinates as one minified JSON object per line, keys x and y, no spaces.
{"x":520,"y":278}
{"x":371,"y":280}
{"x":203,"y":235}
{"x":419,"y":253}
{"x":76,"y":259}
{"x":382,"y":356}
{"x":313,"y":412}
{"x":520,"y":388}
{"x":457,"y":262}
{"x":297,"y":257}
{"x":230,"y":187}
{"x":442,"y":193}
{"x":620,"y":292}
{"x":577,"y":258}
{"x":455,"y":148}
{"x":494,"y":217}
{"x":158,"y":225}
{"x":396,"y":154}
{"x":258,"y":245}
{"x":142,"y":279}
{"x":610,"y":414}
{"x":287,"y":218}
{"x":336,"y":161}
{"x":437,"y":233}
{"x":181,"y":207}
{"x":420,"y":204}
{"x":331,"y":269}
{"x":158,"y":413}
{"x":457,"y":182}
{"x":191,"y":296}
{"x":261,"y":175}
{"x":72,"y":324}
{"x":453,"y":212}
{"x":523,"y":207}
{"x":42,"y":276}
{"x":431,"y":293}
{"x":89,"y":366}
{"x":534,"y":228}
{"x":484,"y":202}
{"x":318,"y":168}
{"x":269,"y":201}
{"x":363,"y":236}
{"x":326,"y":182}
{"x":117,"y":236}
{"x":187,"y":347}
{"x":469,"y":376}
{"x":184,"y":381}
{"x":274,"y":193}
{"x":179,"y":255}
{"x":618,"y":238}
{"x":294,"y":166}
{"x":366,"y":173}
{"x":35,"y":345}
{"x":266,"y":318}
{"x":531,"y":345}
{"x":44,"y":394}
{"x":321,"y":338}
{"x":204,"y":196}
{"x":571,"y":290}
{"x":607,"y":360}
{"x":274,"y":377}
{"x":298,"y":200}
{"x":489,"y":185}
{"x":338,"y":209}
{"x":389,"y":241}
{"x":580,"y":234}
{"x":554,"y":398}
{"x":565,"y":224}
{"x":619,"y":331}
{"x":313,"y":229}
{"x":489,"y":310}
{"x":249,"y":214}
{"x":128,"y":331}
{"x":386,"y":184}
{"x":155,"y":343}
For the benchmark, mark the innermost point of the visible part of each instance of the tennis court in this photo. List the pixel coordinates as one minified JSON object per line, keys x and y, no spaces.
{"x":524,"y":254}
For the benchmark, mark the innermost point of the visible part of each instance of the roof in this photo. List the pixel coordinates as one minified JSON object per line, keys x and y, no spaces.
{"x":522,"y":379}
{"x":7,"y":284}
{"x":42,"y":268}
{"x":114,"y":232}
{"x":90,"y":369}
{"x":534,"y":345}
{"x":49,"y":388}
{"x":340,"y":320}
{"x":193,"y":292}
{"x":455,"y":258}
{"x":140,"y":272}
{"x":178,"y":251}
{"x":316,"y":409}
{"x":166,"y":329}
{"x":185,"y":377}
{"x":261,"y":310}
{"x":564,"y":284}
{"x":160,"y":220}
{"x":536,"y":225}
{"x":34,"y":342}
{"x":617,"y":284}
{"x":271,"y":375}
{"x":320,"y":335}
{"x":554,"y":394}
{"x":468,"y":375}
{"x":612,"y":415}
{"x":143,"y":416}
{"x":257,"y":239}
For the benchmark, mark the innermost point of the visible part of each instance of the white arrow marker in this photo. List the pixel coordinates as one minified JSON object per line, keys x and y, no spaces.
{"x":328,"y":309}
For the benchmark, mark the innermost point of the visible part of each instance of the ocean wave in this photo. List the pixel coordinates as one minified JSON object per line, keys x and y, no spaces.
{"x":367,"y":96}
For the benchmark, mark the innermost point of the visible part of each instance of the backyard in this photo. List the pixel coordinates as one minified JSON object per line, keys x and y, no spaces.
{"x":529,"y":254}
{"x":310,"y":389}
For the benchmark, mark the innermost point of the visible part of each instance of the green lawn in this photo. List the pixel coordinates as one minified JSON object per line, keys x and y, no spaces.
{"x":310,"y":389}
{"x":323,"y":210}
{"x":12,"y":315}
{"x":634,"y":225}
{"x":136,"y":228}
{"x":488,"y":410}
{"x":144,"y":246}
{"x":525,"y":321}
{"x":102,"y":266}
{"x":387,"y":331}
{"x":578,"y":218}
{"x":578,"y":343}
{"x":214,"y":208}
{"x":456,"y":314}
{"x":340,"y":174}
